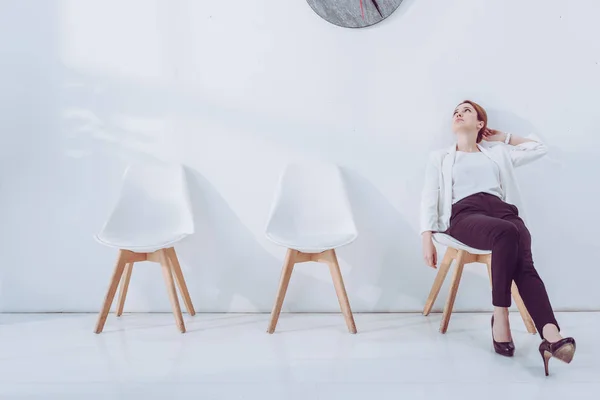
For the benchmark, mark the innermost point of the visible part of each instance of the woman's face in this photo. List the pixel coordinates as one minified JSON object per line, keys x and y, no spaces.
{"x":465,"y":119}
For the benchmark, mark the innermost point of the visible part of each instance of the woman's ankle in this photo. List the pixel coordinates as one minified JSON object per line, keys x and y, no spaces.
{"x":551,"y":333}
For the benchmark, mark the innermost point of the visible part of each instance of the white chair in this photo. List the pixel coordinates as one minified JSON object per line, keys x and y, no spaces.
{"x":464,"y":254}
{"x":152,"y":213}
{"x":311,"y":217}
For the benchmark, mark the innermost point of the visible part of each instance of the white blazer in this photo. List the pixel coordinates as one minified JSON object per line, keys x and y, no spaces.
{"x":436,"y":198}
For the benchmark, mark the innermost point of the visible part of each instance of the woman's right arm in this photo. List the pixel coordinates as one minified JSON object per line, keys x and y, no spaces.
{"x":429,"y":251}
{"x":429,"y":209}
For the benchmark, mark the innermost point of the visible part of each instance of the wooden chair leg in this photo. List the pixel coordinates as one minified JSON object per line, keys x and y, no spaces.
{"x":340,"y":289}
{"x":439,"y":281}
{"x":185,"y":294}
{"x":489,"y":268}
{"x":453,"y":290}
{"x":286,"y":274}
{"x":168,"y":275}
{"x":523,"y":310}
{"x":124,"y":287}
{"x":112,"y":289}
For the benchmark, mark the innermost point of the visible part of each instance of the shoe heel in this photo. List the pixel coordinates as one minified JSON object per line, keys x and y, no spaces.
{"x":546,"y":357}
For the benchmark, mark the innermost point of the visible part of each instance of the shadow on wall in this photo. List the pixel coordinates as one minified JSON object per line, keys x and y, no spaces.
{"x":563,"y":212}
{"x":508,"y":121}
{"x":225,"y":267}
{"x":557,"y":191}
{"x":228,"y":269}
{"x":389,"y":273}
{"x":387,"y":264}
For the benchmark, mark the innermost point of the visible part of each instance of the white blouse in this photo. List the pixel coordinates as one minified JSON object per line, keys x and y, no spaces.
{"x":436,"y":197}
{"x":474,"y":173}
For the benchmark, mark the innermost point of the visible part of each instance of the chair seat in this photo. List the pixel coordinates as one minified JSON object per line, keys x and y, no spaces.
{"x":449,"y":241}
{"x":312,"y":243}
{"x":140,"y":242}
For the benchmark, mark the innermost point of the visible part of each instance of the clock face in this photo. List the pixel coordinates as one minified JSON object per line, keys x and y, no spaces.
{"x":354,"y":13}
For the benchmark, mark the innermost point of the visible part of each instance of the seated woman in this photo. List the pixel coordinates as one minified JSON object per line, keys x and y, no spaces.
{"x":470,"y":193}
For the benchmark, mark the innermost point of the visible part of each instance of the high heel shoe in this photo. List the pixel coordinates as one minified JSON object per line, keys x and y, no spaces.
{"x":564,"y":350}
{"x":506,"y":349}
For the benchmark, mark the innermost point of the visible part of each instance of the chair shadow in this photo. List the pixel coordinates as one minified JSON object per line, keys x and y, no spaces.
{"x":558,"y":220}
{"x":388,"y":266}
{"x":228,"y":269}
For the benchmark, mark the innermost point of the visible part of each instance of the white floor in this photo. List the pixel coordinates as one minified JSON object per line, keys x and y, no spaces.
{"x":394,"y":356}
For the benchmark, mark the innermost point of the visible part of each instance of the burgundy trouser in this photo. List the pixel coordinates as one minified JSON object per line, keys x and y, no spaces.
{"x":485,"y":222}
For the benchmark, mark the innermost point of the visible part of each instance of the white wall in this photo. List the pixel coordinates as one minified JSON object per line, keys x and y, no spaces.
{"x":236,"y":89}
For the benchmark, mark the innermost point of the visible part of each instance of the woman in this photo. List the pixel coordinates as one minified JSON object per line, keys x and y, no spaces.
{"x":471,"y":194}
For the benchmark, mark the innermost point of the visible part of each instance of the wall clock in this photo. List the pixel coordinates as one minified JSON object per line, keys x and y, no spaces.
{"x":354,"y":13}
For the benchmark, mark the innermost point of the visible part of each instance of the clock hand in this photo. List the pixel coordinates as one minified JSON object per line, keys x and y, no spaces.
{"x":377,"y":7}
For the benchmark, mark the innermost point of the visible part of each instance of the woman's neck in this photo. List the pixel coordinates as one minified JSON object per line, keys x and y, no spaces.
{"x":467,"y":142}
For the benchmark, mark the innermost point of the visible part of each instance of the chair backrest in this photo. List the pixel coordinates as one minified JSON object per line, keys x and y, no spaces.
{"x":311,"y":199}
{"x":154,"y":197}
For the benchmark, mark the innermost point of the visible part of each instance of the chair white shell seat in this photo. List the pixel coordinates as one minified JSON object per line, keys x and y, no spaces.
{"x":153,"y":243}
{"x":315,"y":243}
{"x":311,"y":212}
{"x":153,"y":211}
{"x":449,"y":241}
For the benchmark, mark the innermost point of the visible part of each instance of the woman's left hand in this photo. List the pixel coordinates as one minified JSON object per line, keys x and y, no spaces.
{"x":493,"y":135}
